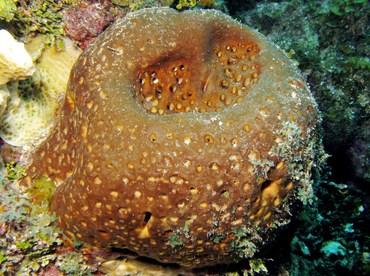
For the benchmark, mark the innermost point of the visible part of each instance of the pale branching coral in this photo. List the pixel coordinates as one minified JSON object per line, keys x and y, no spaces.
{"x":32,"y":103}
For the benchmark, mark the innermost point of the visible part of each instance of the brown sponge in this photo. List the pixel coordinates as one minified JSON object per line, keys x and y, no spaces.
{"x":184,"y":137}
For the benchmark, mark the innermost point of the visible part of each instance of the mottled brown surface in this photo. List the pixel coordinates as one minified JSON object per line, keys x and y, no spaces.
{"x":165,"y":143}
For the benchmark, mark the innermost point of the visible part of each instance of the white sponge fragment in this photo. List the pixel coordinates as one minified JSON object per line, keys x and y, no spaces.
{"x":15,"y":62}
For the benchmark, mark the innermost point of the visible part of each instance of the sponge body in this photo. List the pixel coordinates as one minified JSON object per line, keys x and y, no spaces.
{"x":184,"y":137}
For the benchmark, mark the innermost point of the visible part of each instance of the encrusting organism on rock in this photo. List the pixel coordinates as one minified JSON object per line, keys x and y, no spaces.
{"x":183,"y":137}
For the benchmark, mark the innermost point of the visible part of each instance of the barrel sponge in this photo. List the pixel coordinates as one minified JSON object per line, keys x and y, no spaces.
{"x":183,"y":137}
{"x":32,"y":102}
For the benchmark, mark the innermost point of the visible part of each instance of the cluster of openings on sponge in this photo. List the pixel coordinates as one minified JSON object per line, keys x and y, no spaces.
{"x":273,"y":194}
{"x":178,"y":85}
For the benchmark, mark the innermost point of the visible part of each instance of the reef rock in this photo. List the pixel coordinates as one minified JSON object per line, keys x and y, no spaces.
{"x":184,"y":137}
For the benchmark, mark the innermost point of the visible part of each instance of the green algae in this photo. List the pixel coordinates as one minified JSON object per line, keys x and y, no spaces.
{"x":25,"y":19}
{"x":175,"y":240}
{"x":41,"y":193}
{"x":7,"y":10}
{"x":182,"y":4}
{"x":14,"y":172}
{"x":30,"y":242}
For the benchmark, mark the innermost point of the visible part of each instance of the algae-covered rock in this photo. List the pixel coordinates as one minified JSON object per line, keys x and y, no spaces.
{"x":330,"y":41}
